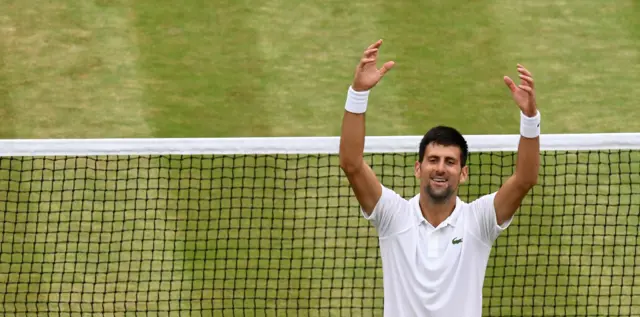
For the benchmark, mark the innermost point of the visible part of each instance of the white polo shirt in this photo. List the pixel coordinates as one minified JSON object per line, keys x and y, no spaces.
{"x":434,"y":272}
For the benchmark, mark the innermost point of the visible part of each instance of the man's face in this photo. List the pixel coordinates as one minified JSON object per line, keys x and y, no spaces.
{"x":440,"y":172}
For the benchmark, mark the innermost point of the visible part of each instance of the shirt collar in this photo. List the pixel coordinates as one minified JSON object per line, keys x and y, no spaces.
{"x":452,"y":220}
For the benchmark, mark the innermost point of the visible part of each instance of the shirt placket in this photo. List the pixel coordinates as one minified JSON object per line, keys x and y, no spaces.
{"x":433,"y":243}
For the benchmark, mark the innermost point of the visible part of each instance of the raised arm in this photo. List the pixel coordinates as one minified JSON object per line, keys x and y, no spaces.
{"x":510,"y":195}
{"x":363,"y":180}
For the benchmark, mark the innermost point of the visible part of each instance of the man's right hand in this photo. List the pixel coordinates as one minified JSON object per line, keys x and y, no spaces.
{"x":367,"y":74}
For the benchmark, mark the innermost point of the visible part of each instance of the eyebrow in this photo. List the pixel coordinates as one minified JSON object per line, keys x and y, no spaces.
{"x":438,"y":156}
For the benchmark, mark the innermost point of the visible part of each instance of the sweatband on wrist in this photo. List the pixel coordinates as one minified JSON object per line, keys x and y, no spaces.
{"x":356,"y":101}
{"x":530,"y":126}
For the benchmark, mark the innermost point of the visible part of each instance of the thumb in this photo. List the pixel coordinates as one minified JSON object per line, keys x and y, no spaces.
{"x":510,"y":83}
{"x":386,"y":67}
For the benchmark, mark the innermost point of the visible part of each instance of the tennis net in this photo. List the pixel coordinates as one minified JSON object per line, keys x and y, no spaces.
{"x":269,"y":227}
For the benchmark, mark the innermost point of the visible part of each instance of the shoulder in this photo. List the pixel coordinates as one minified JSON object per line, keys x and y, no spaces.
{"x":392,"y":213}
{"x":389,"y":200}
{"x":482,"y":204}
{"x":482,"y":219}
{"x":390,"y":195}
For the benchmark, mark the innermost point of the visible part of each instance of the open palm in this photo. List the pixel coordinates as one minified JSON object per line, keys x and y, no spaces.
{"x":367,"y":74}
{"x":523,"y":94}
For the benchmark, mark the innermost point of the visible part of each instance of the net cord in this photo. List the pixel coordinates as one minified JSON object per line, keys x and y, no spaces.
{"x":300,"y":145}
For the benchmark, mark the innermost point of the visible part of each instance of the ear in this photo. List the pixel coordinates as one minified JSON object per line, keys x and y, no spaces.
{"x":464,"y":174}
{"x":416,"y":169}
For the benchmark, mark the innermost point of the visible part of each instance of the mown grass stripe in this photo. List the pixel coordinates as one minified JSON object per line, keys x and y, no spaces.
{"x":205,"y":75}
{"x":584,"y":56}
{"x":6,"y":108}
{"x":71,"y":69}
{"x":450,"y":67}
{"x":310,"y":50}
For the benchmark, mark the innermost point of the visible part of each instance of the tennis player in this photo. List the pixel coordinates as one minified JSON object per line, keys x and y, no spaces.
{"x":434,"y":246}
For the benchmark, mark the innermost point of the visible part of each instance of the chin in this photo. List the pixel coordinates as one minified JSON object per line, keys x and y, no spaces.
{"x":439,"y":195}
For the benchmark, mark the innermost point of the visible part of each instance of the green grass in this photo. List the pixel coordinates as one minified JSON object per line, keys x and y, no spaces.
{"x":267,"y":236}
{"x":114,"y":68}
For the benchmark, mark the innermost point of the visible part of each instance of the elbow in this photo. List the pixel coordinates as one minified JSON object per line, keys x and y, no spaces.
{"x":526,"y":177}
{"x":528,"y":182}
{"x":349,"y":165}
{"x":529,"y":185}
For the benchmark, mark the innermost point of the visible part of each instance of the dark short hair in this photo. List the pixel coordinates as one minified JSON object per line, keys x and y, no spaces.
{"x":446,"y":136}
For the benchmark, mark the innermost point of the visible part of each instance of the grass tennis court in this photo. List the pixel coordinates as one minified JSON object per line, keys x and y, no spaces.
{"x":113,"y":68}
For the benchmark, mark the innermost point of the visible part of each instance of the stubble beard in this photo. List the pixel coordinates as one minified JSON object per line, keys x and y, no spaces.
{"x":439,"y":197}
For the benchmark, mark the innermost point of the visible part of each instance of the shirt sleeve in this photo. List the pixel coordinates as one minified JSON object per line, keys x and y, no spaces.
{"x":484,"y":212}
{"x":391,"y":214}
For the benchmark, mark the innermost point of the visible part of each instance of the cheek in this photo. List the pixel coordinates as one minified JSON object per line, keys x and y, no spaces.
{"x":424,"y":175}
{"x":454,"y":174}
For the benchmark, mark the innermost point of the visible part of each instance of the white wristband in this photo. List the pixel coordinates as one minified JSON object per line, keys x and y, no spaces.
{"x":356,"y":101}
{"x":529,"y":126}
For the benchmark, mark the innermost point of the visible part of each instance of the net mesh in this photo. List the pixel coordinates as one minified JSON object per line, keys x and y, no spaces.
{"x":272,"y":235}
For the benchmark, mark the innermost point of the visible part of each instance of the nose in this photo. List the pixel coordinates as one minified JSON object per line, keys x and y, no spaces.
{"x":440,"y":168}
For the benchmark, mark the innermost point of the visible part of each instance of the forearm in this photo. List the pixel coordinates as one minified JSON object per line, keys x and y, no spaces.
{"x":352,"y":135}
{"x":352,"y":140}
{"x":513,"y":191}
{"x":528,"y":160}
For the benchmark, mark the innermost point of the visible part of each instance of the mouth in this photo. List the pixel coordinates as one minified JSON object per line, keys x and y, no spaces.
{"x":439,"y":181}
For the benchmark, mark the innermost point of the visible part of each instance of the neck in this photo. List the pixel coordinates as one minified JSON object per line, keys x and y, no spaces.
{"x":436,"y":211}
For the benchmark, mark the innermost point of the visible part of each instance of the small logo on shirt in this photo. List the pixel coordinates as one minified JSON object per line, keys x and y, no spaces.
{"x":456,"y":240}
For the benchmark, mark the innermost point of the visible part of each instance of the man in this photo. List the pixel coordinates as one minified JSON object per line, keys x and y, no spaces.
{"x":435,"y":247}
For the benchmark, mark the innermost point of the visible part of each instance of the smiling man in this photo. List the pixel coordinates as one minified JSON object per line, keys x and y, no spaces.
{"x":434,"y":246}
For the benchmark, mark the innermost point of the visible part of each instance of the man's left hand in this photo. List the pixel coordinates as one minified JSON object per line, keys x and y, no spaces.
{"x":523,"y":94}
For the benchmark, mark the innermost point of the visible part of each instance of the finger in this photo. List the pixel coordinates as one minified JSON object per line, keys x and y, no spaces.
{"x":386,"y":67}
{"x":527,"y":79}
{"x":370,"y":52}
{"x":524,"y":71}
{"x":366,"y":61}
{"x":509,"y":82}
{"x":375,"y":45}
{"x":526,"y":88}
